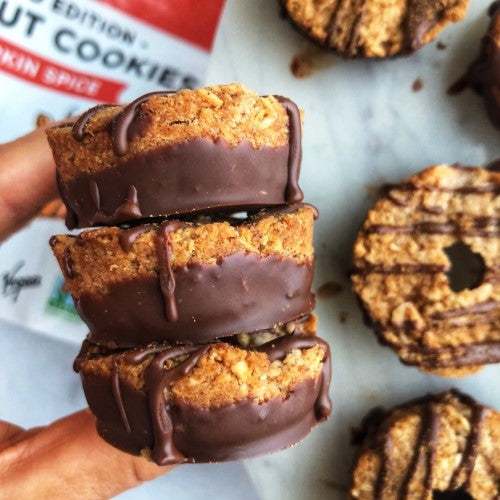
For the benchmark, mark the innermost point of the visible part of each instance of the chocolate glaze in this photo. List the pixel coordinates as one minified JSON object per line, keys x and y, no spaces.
{"x":333,"y":27}
{"x":177,"y":432}
{"x":483,"y":75}
{"x":241,"y":293}
{"x":461,"y":356}
{"x":158,"y":380}
{"x":117,"y":394}
{"x":189,"y":176}
{"x":375,"y":435}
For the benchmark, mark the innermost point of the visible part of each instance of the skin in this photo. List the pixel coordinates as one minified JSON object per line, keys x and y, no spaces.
{"x":66,"y":459}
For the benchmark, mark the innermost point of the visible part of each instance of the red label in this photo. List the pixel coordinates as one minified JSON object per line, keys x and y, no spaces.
{"x":35,"y":69}
{"x":193,"y":20}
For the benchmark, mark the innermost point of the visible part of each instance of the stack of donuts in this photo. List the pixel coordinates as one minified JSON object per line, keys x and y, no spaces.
{"x":196,"y":287}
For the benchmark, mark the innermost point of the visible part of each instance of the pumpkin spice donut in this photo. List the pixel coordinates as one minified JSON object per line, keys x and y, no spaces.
{"x":191,"y":281}
{"x":373,"y":28}
{"x":208,"y":403}
{"x":440,"y":446}
{"x":411,"y":261}
{"x":164,"y":154}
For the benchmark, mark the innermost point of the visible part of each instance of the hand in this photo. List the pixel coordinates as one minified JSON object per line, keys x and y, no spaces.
{"x":66,"y":459}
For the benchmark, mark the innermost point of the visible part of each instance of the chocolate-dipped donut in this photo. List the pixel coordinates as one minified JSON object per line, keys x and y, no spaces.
{"x":207,"y":403}
{"x":216,"y":148}
{"x":190,"y":282}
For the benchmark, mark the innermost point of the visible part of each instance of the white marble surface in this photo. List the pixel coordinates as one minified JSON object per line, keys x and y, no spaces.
{"x":363,"y":126}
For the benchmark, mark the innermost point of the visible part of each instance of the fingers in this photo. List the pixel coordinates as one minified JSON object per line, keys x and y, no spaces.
{"x":69,"y":460}
{"x":27,"y":180}
{"x":8,"y":434}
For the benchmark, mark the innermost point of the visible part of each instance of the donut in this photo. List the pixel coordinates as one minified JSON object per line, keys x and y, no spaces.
{"x":405,"y":277}
{"x":373,"y":28}
{"x":440,"y":446}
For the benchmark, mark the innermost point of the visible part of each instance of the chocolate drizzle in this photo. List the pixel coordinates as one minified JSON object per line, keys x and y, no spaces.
{"x":376,"y":435}
{"x":480,"y":308}
{"x":479,"y":224}
{"x":278,"y":349}
{"x":157,"y":381}
{"x":167,"y":278}
{"x":117,"y":395}
{"x":333,"y":28}
{"x":293,"y":193}
{"x":128,"y":236}
{"x":78,"y":130}
{"x":427,"y":440}
{"x":466,"y":468}
{"x":485,"y":188}
{"x":121,"y":122}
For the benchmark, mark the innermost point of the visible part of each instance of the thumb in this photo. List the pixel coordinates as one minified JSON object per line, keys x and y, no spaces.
{"x":68,"y":459}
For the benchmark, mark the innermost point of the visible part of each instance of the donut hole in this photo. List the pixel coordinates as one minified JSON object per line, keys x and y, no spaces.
{"x":460,"y":494}
{"x":467,"y":267}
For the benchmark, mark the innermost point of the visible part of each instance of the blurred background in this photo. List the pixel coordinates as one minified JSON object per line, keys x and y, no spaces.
{"x":366,"y":123}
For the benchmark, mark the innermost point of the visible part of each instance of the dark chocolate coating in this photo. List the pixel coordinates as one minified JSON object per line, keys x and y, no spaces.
{"x":178,"y":432}
{"x":241,"y":293}
{"x":195,"y":175}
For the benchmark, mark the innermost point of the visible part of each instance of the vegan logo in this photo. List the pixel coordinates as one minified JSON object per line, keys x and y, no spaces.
{"x":60,"y":301}
{"x":13,"y":284}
